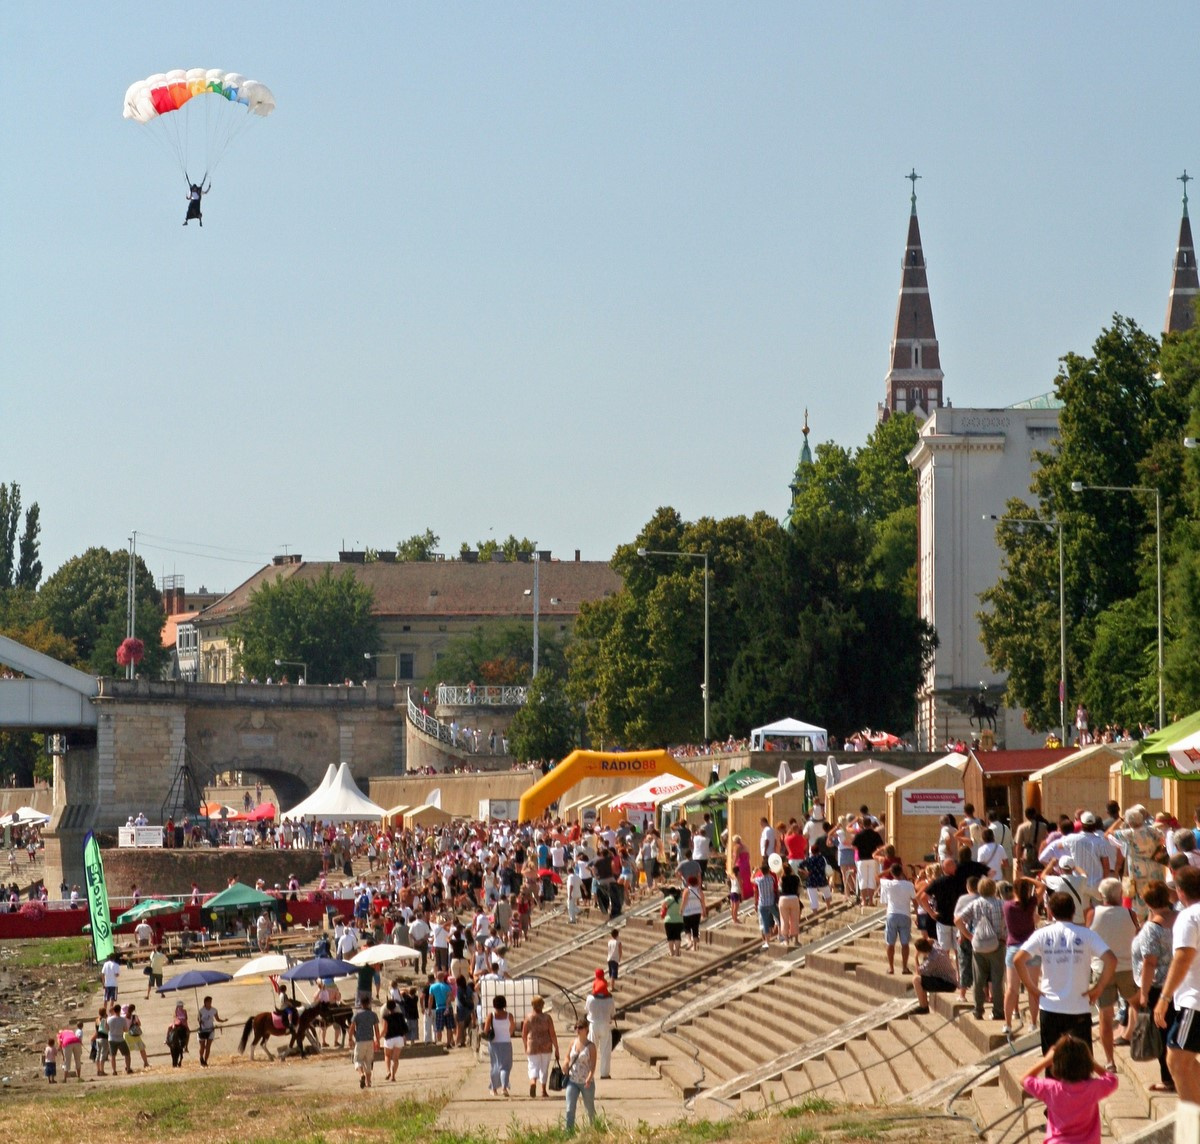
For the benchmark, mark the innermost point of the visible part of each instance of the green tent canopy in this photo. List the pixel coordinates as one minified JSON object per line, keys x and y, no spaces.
{"x":721,"y":790}
{"x":1172,"y":753}
{"x":150,"y":908}
{"x":239,"y":896}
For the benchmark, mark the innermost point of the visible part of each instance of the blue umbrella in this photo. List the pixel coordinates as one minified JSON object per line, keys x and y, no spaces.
{"x":319,"y":967}
{"x":194,"y":979}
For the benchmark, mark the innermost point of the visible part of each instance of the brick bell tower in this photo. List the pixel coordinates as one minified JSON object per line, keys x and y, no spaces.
{"x":914,"y":378}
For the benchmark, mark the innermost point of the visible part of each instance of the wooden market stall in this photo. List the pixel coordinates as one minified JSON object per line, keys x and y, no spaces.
{"x":1127,"y":791}
{"x":1078,"y":782}
{"x":1181,"y":797}
{"x":858,"y":786}
{"x":747,"y":808}
{"x":917,"y":801}
{"x":426,"y":815}
{"x":395,"y":817}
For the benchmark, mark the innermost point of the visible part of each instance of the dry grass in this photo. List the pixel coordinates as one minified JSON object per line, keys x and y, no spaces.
{"x":243,"y":1111}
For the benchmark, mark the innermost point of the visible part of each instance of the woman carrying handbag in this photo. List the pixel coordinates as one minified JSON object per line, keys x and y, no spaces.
{"x":581,"y":1075}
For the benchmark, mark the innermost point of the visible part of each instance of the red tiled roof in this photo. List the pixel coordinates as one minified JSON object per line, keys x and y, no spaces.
{"x":448,"y":587}
{"x":173,"y":622}
{"x":1019,"y":762}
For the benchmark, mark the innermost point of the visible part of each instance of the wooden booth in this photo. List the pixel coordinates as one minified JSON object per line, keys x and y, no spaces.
{"x":916,"y":802}
{"x":1127,"y":792}
{"x":1181,"y":797}
{"x":1078,"y":782}
{"x":426,"y":815}
{"x":747,"y":808}
{"x":861,"y":785}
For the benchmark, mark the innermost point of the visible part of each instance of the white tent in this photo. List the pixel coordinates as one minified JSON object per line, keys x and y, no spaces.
{"x":789,"y":735}
{"x":654,"y":791}
{"x":340,"y":800}
{"x":25,"y":816}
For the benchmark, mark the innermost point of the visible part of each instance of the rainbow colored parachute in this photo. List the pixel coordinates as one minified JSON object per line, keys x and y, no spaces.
{"x":197,"y":130}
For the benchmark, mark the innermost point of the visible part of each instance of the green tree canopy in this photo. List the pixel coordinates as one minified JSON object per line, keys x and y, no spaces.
{"x":1124,"y":414}
{"x":547,"y":727}
{"x":85,"y":601}
{"x":498,"y":653}
{"x":418,"y":548}
{"x":20,"y":566}
{"x":325,"y":623}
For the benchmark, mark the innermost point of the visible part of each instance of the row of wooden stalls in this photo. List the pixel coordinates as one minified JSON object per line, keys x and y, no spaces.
{"x":407,"y":817}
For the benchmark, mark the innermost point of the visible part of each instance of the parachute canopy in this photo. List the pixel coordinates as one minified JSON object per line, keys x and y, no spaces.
{"x":197,"y":130}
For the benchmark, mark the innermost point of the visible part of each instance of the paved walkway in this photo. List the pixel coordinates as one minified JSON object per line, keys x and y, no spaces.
{"x":634,"y":1093}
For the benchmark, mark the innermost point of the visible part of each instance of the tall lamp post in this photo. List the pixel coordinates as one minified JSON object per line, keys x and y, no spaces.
{"x":643,"y":552}
{"x":535,"y":557}
{"x":393,"y":656}
{"x":294,"y":663}
{"x":1062,"y":619}
{"x":1079,"y":487}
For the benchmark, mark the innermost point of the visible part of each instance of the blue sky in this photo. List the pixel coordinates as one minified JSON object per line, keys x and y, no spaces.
{"x":541,"y":268}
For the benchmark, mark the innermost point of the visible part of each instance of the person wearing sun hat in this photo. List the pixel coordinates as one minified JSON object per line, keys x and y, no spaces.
{"x":1069,"y":881}
{"x":600,"y":1009}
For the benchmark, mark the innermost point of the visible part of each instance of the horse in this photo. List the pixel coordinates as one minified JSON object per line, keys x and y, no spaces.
{"x":177,"y":1042}
{"x":264,"y":1026}
{"x":983,"y":711}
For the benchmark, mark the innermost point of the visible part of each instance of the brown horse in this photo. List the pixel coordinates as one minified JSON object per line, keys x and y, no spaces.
{"x":263,"y":1026}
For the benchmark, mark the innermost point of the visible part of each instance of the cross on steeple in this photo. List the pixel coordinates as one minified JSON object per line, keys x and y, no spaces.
{"x":912,"y":176}
{"x":1185,"y":178}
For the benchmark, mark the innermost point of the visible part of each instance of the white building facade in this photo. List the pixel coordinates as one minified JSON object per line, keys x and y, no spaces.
{"x":969,"y":463}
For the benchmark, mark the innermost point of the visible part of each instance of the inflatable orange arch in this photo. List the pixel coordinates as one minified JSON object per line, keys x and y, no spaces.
{"x":580,"y":765}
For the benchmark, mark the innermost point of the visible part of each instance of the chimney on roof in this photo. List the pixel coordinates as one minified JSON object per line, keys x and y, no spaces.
{"x":352,"y":557}
{"x":287,"y":558}
{"x":576,"y":555}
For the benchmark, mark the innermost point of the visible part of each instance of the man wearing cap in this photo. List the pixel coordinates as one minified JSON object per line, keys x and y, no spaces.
{"x":1091,"y":852}
{"x":600,"y":1009}
{"x":1072,"y":883}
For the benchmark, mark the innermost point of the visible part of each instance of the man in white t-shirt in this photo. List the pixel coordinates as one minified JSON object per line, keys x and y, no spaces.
{"x":1065,"y":988}
{"x":896,"y":892}
{"x":766,"y":841}
{"x":1183,"y":986}
{"x":1093,"y":854}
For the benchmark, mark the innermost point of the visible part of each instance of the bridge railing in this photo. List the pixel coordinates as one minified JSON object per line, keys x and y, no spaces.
{"x":486,"y":696}
{"x":471,"y":742}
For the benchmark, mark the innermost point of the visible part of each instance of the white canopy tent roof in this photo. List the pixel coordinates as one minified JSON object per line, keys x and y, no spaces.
{"x":808,"y":737}
{"x":654,"y":791}
{"x":339,"y":800}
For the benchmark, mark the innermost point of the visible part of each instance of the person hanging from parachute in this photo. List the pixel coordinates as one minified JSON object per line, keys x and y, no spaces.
{"x":195,"y":113}
{"x":195,"y":190}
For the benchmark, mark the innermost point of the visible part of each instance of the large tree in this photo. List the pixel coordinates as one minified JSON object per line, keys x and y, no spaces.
{"x":418,"y":548}
{"x":1122,"y":424}
{"x":500,"y":652}
{"x":325,"y":623}
{"x":86,"y":601}
{"x":547,"y":727}
{"x":20,"y":566}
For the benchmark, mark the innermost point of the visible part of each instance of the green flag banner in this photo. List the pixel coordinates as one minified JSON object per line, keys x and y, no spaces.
{"x":97,"y":892}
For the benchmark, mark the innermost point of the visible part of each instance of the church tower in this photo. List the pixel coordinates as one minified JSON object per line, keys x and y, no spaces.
{"x":914,"y":378}
{"x":1185,"y":285}
{"x":803,"y":472}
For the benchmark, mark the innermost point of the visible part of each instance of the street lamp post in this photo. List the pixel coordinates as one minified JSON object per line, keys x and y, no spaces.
{"x":643,"y":552}
{"x":294,"y":663}
{"x":1062,"y":620}
{"x":395,"y":658}
{"x":1079,"y":487}
{"x":535,"y":557}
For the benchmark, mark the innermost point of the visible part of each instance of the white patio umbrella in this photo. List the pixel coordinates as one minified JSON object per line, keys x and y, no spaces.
{"x":379,"y":954}
{"x":264,"y":966}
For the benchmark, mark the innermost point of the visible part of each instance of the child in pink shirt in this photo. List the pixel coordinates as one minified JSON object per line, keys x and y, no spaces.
{"x":1072,"y":1094}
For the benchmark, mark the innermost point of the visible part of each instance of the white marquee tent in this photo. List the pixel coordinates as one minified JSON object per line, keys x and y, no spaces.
{"x":337,"y":800}
{"x":789,"y":735}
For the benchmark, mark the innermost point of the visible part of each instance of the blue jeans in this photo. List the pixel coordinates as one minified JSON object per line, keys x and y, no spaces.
{"x":501,"y":1058}
{"x":573,"y":1091}
{"x":768,"y":918}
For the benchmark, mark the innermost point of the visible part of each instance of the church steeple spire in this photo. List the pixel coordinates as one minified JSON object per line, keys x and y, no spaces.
{"x":1185,"y":285}
{"x":803,"y":472}
{"x":914,"y":377}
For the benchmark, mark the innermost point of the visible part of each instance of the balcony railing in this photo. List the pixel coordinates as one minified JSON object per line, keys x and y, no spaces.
{"x":487,"y":696}
{"x":473,"y":742}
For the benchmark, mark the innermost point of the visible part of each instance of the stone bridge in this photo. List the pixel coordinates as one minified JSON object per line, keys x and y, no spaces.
{"x":157,"y":743}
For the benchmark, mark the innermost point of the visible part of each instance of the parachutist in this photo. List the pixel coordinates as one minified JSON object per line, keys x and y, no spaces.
{"x":193,"y":211}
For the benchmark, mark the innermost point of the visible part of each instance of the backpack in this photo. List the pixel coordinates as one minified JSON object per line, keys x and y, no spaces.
{"x":984,"y":938}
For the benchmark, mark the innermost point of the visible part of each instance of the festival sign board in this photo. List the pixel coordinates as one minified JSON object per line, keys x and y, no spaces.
{"x":97,"y":892}
{"x":939,"y":802}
